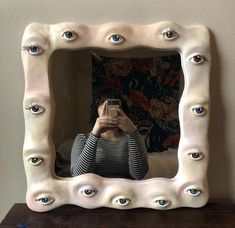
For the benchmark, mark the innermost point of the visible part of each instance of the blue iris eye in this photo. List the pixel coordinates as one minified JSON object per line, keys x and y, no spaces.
{"x":162,"y":202}
{"x":33,"y":49}
{"x":116,"y":37}
{"x":193,"y":191}
{"x":44,"y":200}
{"x":199,"y":110}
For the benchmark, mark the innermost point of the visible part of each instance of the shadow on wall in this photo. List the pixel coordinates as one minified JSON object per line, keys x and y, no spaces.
{"x":219,"y":166}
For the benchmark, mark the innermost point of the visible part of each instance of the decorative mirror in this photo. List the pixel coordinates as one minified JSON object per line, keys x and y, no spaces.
{"x":160,"y":70}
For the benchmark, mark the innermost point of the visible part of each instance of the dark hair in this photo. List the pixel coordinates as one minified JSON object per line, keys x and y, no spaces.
{"x":100,"y":97}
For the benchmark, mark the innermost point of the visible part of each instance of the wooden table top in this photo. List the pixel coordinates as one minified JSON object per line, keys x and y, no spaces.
{"x":212,"y":215}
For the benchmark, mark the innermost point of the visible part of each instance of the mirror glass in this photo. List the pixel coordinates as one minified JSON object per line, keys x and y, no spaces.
{"x":149,"y":82}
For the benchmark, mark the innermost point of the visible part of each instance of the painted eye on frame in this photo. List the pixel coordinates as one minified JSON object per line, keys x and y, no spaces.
{"x":88,"y":191}
{"x":35,"y":161}
{"x":45,"y":200}
{"x":121,"y":201}
{"x":198,"y":110}
{"x":162,"y":203}
{"x":196,"y":155}
{"x":35,"y":109}
{"x":116,"y":38}
{"x":34,"y":49}
{"x":170,"y":34}
{"x":193,"y":191}
{"x":69,"y":35}
{"x":197,"y":59}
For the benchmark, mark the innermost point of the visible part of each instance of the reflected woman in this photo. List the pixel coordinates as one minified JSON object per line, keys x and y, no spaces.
{"x":113,"y":148}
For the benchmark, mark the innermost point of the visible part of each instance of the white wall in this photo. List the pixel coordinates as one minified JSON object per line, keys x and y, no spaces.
{"x":217,"y":15}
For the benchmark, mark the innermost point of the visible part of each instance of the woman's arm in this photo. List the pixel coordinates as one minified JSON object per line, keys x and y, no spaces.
{"x":83,"y":154}
{"x":138,"y":161}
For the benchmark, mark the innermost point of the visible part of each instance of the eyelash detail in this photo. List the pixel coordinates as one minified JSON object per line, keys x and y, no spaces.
{"x":197,"y":59}
{"x":33,"y":49}
{"x":88,"y":191}
{"x":192,"y":191}
{"x":196,"y":155}
{"x":198,"y":110}
{"x":170,"y":34}
{"x":116,"y":38}
{"x":45,"y":200}
{"x":121,"y":201}
{"x":35,"y":109}
{"x":69,"y":36}
{"x":35,"y":161}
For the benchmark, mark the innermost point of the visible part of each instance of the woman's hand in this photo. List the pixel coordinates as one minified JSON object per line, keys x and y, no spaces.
{"x":104,"y":122}
{"x":124,"y":123}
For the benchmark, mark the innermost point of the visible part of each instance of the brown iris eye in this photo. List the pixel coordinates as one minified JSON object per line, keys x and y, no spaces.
{"x":197,"y":58}
{"x":195,"y":155}
{"x":35,"y":108}
{"x":88,"y":192}
{"x":169,"y":34}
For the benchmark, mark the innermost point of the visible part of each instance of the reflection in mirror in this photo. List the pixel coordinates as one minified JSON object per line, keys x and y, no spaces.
{"x":149,"y":84}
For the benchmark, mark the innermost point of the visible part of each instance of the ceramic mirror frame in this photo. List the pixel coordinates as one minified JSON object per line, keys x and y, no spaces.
{"x":46,"y":190}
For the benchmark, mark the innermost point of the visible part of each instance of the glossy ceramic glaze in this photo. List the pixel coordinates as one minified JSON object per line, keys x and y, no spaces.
{"x":188,"y":188}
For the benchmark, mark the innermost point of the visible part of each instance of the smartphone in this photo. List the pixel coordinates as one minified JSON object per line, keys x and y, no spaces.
{"x":111,"y":107}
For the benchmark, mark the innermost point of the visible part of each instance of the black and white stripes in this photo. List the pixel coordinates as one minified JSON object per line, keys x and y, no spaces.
{"x":138,"y":163}
{"x":123,"y":158}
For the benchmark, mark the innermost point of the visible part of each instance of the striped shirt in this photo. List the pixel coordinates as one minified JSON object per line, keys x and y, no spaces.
{"x":124,"y":158}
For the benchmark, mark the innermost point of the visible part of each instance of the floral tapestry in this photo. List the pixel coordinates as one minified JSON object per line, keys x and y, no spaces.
{"x":150,"y":87}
